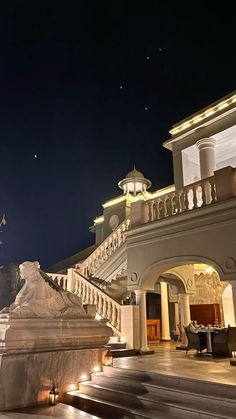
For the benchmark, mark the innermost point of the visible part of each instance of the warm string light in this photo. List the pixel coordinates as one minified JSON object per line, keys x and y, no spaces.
{"x":222,"y":105}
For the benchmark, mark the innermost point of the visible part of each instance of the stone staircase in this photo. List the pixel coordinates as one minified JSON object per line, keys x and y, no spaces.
{"x":124,"y":393}
{"x":119,"y":349}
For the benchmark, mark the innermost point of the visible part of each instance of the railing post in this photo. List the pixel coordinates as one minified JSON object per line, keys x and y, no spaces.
{"x":225,"y":181}
{"x":70,"y":280}
{"x":139,"y":213}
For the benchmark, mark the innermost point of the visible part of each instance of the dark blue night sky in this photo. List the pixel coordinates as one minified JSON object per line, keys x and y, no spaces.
{"x":87,"y":89}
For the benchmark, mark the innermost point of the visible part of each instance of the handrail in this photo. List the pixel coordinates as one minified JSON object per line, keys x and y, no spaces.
{"x":113,"y":242}
{"x":106,"y":307}
{"x":189,"y":197}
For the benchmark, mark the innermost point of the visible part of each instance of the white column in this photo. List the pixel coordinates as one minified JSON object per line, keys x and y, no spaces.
{"x":177,"y":317}
{"x":141,"y":301}
{"x":165,"y":324}
{"x":185,"y":318}
{"x":233,"y":285}
{"x":207,"y":157}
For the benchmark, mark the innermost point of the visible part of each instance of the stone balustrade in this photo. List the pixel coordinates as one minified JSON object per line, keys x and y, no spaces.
{"x":113,"y":242}
{"x":196,"y":195}
{"x":106,"y":307}
{"x":60,"y":280}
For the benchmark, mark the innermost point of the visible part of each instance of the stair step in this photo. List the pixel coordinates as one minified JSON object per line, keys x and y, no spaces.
{"x":119,"y":353}
{"x":174,"y":382}
{"x":116,"y":345}
{"x":94,"y":406}
{"x":154,"y":393}
{"x":114,"y":409}
{"x":125,"y":393}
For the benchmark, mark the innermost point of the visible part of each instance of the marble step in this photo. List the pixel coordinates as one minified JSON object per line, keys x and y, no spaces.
{"x":124,"y":393}
{"x":149,"y":410}
{"x":175,"y":382}
{"x":95,"y":406}
{"x":117,"y":389}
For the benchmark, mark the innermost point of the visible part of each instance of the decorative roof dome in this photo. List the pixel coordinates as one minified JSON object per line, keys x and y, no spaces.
{"x":134,"y":183}
{"x":134,"y":174}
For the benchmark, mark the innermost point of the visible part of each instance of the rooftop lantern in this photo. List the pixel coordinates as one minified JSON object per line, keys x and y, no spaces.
{"x":134,"y":183}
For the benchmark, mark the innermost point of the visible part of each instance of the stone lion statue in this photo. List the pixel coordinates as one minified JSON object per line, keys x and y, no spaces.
{"x":38,"y":298}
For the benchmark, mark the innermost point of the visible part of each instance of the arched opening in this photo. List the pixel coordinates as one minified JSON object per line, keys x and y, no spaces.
{"x":194,"y":292}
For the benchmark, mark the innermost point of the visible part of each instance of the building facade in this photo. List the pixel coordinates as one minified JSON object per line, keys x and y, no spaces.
{"x":163,"y":258}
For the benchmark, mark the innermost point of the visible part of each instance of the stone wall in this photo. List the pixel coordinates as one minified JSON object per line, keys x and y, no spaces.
{"x":27,"y":378}
{"x":209,"y":290}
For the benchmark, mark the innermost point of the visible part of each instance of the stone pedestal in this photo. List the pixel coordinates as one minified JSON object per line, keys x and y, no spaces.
{"x":36,"y":353}
{"x":27,"y":378}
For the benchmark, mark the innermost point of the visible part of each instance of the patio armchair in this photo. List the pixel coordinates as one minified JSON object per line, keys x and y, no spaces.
{"x":224,"y":343}
{"x":195,"y":341}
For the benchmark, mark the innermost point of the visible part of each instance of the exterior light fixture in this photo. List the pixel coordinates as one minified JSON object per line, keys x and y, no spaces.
{"x":53,"y":396}
{"x":84,"y":377}
{"x":108,"y":359}
{"x":97,"y":368}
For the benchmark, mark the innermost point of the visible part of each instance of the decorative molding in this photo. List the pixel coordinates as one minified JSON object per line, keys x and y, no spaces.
{"x":134,"y":277}
{"x":230,"y":263}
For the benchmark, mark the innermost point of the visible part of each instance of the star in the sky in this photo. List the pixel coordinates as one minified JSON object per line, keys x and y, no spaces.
{"x":146,"y":108}
{"x":35,"y":156}
{"x":160,"y":49}
{"x":147,"y":58}
{"x":121,"y":87}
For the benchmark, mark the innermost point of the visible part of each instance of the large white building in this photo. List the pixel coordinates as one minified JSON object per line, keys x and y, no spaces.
{"x":166,"y":257}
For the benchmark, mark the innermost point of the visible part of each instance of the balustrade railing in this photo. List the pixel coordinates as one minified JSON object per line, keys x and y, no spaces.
{"x":190,"y":197}
{"x":60,"y":280}
{"x":106,"y":307}
{"x":113,"y":242}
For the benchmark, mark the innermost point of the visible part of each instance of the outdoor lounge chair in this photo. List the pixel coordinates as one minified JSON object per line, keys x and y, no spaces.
{"x":224,"y":343}
{"x":195,"y":341}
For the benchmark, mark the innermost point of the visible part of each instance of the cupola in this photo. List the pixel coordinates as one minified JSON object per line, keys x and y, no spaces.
{"x":134,"y":183}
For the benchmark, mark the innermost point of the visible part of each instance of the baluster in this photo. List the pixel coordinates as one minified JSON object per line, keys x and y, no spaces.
{"x":173,"y":204}
{"x":95,"y":300}
{"x":119,"y":239}
{"x":194,"y":190}
{"x":87,"y":294}
{"x":109,"y":311}
{"x":118,"y":319}
{"x":166,"y":199}
{"x":151,"y":215}
{"x":100,"y":304}
{"x":79,"y":289}
{"x":104,"y":308}
{"x":213,"y":191}
{"x":204,"y":199}
{"x":113,"y":315}
{"x":84,"y":292}
{"x":186,"y":199}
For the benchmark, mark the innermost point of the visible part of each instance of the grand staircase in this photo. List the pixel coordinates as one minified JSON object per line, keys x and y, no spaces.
{"x":124,"y":393}
{"x":101,"y":279}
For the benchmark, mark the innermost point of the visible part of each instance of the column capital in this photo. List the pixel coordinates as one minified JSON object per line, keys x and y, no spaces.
{"x":140,"y":292}
{"x":209,"y":142}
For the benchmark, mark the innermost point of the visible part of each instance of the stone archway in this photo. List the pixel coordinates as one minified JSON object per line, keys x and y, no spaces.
{"x":179,"y":274}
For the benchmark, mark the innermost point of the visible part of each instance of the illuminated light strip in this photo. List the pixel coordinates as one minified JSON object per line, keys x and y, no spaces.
{"x":99,"y":220}
{"x":121,"y":198}
{"x":203,"y":115}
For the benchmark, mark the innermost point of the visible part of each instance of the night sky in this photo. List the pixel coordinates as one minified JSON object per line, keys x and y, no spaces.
{"x":87,"y":90}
